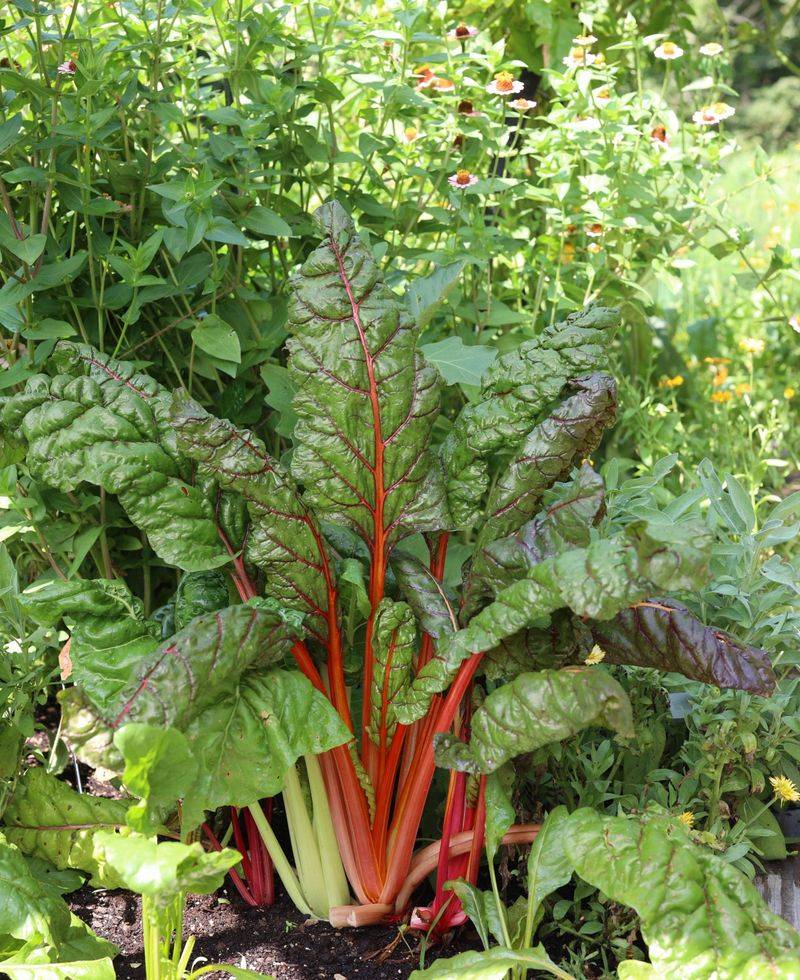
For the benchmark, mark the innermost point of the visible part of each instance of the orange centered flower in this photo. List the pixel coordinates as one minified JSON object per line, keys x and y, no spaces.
{"x":462,"y":30}
{"x":504,"y":81}
{"x":462,"y":177}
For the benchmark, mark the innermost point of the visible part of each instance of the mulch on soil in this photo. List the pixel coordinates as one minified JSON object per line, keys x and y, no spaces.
{"x":275,"y":941}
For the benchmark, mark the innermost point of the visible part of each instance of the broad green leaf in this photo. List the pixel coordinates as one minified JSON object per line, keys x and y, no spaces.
{"x":28,"y":249}
{"x":492,"y":964}
{"x":264,"y":221}
{"x":159,"y":769}
{"x":426,"y":295}
{"x":110,"y":635}
{"x":283,"y":537}
{"x":701,"y":918}
{"x":434,"y":609}
{"x":570,"y":510}
{"x":35,"y":913}
{"x":549,"y":868}
{"x":571,"y":430}
{"x":162,"y":871}
{"x":500,"y":814}
{"x":516,"y":389}
{"x":457,"y":362}
{"x":394,"y":643}
{"x":533,"y":710}
{"x":366,"y":402}
{"x":108,"y":426}
{"x":598,"y":581}
{"x":48,"y":819}
{"x":28,"y":969}
{"x":217,"y":338}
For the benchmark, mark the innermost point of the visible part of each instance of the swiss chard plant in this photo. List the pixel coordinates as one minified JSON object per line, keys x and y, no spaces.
{"x":252,"y":675}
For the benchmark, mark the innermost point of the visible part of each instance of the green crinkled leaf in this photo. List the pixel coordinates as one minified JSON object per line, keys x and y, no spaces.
{"x":394,"y":637}
{"x":254,"y":731}
{"x":102,"y":423}
{"x":34,"y":913}
{"x":492,"y":964}
{"x":573,"y":429}
{"x":434,"y":608}
{"x":701,"y":918}
{"x":86,"y":734}
{"x":536,"y":709}
{"x":110,"y":635}
{"x":47,"y":819}
{"x":570,"y":510}
{"x":160,"y":769}
{"x":198,"y":593}
{"x":366,"y":401}
{"x":598,"y":581}
{"x":162,"y":871}
{"x":516,"y":390}
{"x":283,"y":537}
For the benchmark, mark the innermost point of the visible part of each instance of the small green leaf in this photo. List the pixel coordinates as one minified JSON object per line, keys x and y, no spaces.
{"x":216,"y":337}
{"x":264,"y":221}
{"x":457,"y":362}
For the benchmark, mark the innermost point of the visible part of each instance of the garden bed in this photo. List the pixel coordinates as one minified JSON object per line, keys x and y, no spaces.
{"x":274,"y":940}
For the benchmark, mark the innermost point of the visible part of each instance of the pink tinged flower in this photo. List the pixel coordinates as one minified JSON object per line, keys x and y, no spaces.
{"x":427,"y":79}
{"x":668,"y":51}
{"x":705,"y":117}
{"x":462,"y":31}
{"x":522,"y":105}
{"x":723,"y":110}
{"x":466,"y":108}
{"x":462,"y":179}
{"x":586,"y":124}
{"x":67,"y":68}
{"x":794,"y":322}
{"x":584,"y":40}
{"x":579,"y":57}
{"x":711,"y":49}
{"x":504,"y":83}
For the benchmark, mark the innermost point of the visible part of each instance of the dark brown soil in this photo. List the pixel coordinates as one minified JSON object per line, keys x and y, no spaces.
{"x":275,"y":941}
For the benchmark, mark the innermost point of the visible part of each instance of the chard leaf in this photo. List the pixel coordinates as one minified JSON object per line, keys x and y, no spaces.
{"x":108,"y":426}
{"x":536,"y":709}
{"x":432,"y":606}
{"x":516,"y":389}
{"x":48,"y":819}
{"x":198,"y":593}
{"x":598,"y":581}
{"x":701,"y":918}
{"x":394,"y":642}
{"x":664,"y":634}
{"x":110,"y":635}
{"x":35,"y":913}
{"x":366,"y":401}
{"x":283,"y":538}
{"x":162,"y":871}
{"x":549,"y":868}
{"x":572,"y":429}
{"x":159,"y":769}
{"x":570,"y":510}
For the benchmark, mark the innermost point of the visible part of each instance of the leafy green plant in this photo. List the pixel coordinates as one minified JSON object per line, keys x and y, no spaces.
{"x":163,"y":874}
{"x":699,"y":916}
{"x":365,"y":475}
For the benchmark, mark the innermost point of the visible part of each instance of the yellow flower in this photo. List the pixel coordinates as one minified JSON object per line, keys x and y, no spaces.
{"x":594,"y":247}
{"x":596,"y":655}
{"x":789,"y":393}
{"x":752,"y":345}
{"x":720,"y":376}
{"x":504,"y":83}
{"x":785,"y":789}
{"x":687,"y":819}
{"x":567,"y":252}
{"x":717,"y":360}
{"x":675,"y":382}
{"x":720,"y":397}
{"x":743,"y":389}
{"x":410,"y":134}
